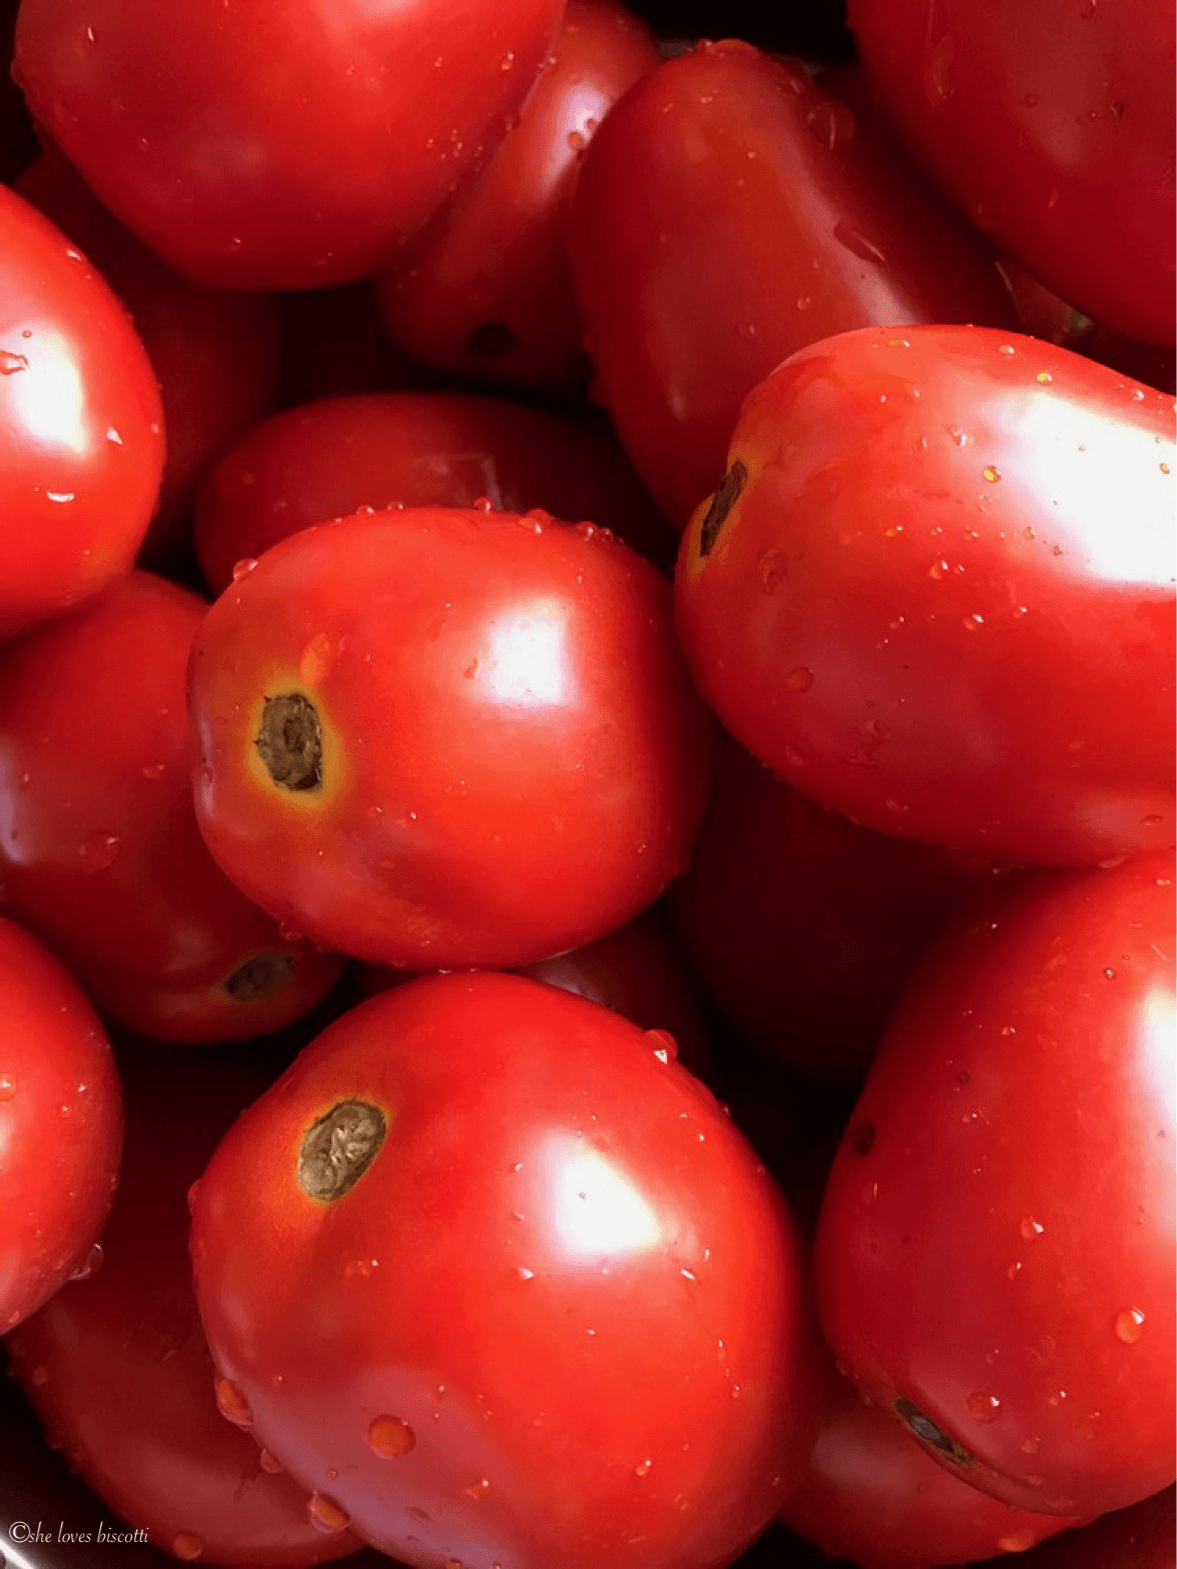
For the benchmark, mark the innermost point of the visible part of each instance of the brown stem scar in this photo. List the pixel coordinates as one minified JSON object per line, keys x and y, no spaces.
{"x":726,"y":495}
{"x":260,"y":977}
{"x":290,"y":742}
{"x":923,"y":1427}
{"x":339,"y":1148}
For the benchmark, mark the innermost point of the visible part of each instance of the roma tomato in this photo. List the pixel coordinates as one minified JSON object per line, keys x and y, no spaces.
{"x":995,"y":1255}
{"x":442,"y":738}
{"x":503,"y":1285}
{"x":728,"y":212}
{"x":61,"y":1125}
{"x":1143,"y":1536}
{"x":278,"y":146}
{"x":117,"y":1367}
{"x":936,"y":592}
{"x":1053,"y":127}
{"x":80,"y":425}
{"x":100,"y":852}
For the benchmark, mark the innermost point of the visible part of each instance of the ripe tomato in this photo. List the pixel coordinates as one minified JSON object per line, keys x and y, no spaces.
{"x":1052,"y":126}
{"x":100,"y":851}
{"x":936,"y":592}
{"x":504,"y":1286}
{"x":728,"y":212}
{"x":117,"y":1366}
{"x":285,"y":145}
{"x":61,"y":1125}
{"x":80,"y":425}
{"x":996,"y":1252}
{"x":440,"y":738}
{"x":1143,"y":1536}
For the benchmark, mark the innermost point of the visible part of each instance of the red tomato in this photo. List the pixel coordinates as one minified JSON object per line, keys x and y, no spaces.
{"x":1143,"y":1536}
{"x":100,"y":851}
{"x":18,"y":142}
{"x":442,"y":738}
{"x":285,"y":145}
{"x":936,"y":592}
{"x":871,"y":1494}
{"x":728,"y":213}
{"x":118,"y":1369}
{"x":996,"y":1252}
{"x":61,"y":1125}
{"x":555,"y":1317}
{"x":487,"y":292}
{"x":215,"y":355}
{"x":1053,"y":127}
{"x":324,"y":460}
{"x":80,"y":425}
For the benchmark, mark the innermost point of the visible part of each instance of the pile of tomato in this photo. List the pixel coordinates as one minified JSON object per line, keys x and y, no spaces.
{"x":587,"y":802}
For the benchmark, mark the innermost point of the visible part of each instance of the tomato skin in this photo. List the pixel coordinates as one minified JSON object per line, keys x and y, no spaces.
{"x":80,"y":422}
{"x":1143,"y":1536}
{"x":868,"y":611}
{"x":117,"y":1367}
{"x":1037,"y":123}
{"x":326,"y":459}
{"x":101,"y":855}
{"x":512,"y":760}
{"x":728,"y":213}
{"x":534,"y":1341}
{"x":487,"y":291}
{"x":1003,"y":1198}
{"x":396,"y":103}
{"x":61,"y":1125}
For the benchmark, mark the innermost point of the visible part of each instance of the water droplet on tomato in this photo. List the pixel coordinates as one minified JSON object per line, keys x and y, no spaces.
{"x":643,"y":1468}
{"x":326,"y":1515}
{"x":154,"y":770}
{"x":11,"y":363}
{"x":232,"y":1404}
{"x":390,"y":1437}
{"x":1030,"y":1229}
{"x":90,"y":1264}
{"x":7,"y":1086}
{"x":243,"y":567}
{"x":831,"y":123}
{"x":269,"y":1462}
{"x":983,"y":1407}
{"x":664,"y":1045}
{"x":477,"y":1490}
{"x":1129,"y":1326}
{"x":990,"y":474}
{"x":938,"y":84}
{"x":524,"y":1273}
{"x":187,"y":1546}
{"x":99,"y":851}
{"x":858,"y":244}
{"x":799,"y":679}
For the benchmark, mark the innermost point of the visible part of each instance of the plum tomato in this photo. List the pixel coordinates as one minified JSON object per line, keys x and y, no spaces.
{"x":728,"y":212}
{"x":503,"y":1284}
{"x":61,"y":1125}
{"x":117,"y":1367}
{"x":995,"y":1255}
{"x":287,"y":145}
{"x":100,"y":852}
{"x":935,"y":592}
{"x":81,"y":425}
{"x":442,"y":738}
{"x":1143,"y":1536}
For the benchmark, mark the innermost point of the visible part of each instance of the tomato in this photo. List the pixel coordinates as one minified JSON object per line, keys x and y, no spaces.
{"x":1142,"y":1536}
{"x":441,"y":738}
{"x":118,"y":1369}
{"x":80,"y":425}
{"x":995,"y":1256}
{"x":727,"y":213}
{"x":100,"y":851}
{"x":326,"y":459}
{"x":18,"y":142}
{"x":872,"y":1495}
{"x":1053,"y":127}
{"x":803,"y":925}
{"x":936,"y":592}
{"x":366,"y":117}
{"x":487,"y":291}
{"x":505,"y":1286}
{"x":61,"y":1125}
{"x":214,"y":354}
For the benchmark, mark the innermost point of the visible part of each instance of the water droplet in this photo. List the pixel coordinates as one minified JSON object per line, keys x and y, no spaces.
{"x":187,"y":1545}
{"x":99,"y":851}
{"x":326,"y":1515}
{"x":799,"y":679}
{"x":232,"y":1404}
{"x":1044,"y":377}
{"x":524,"y":1273}
{"x":269,"y":1462}
{"x":59,"y":495}
{"x":1030,"y":1229}
{"x":317,"y":658}
{"x":938,"y":569}
{"x":390,"y":1437}
{"x":938,"y":84}
{"x":90,"y":1264}
{"x":983,"y":1407}
{"x":858,"y":244}
{"x":1017,"y":1541}
{"x":154,"y":770}
{"x":991,"y":474}
{"x":803,"y":302}
{"x":1006,"y":348}
{"x":971,"y":623}
{"x":1015,"y":1269}
{"x":831,"y":122}
{"x":507,"y":63}
{"x":1129,"y":1326}
{"x":7,"y":1086}
{"x":39,"y":1376}
{"x":664,"y":1045}
{"x":243,"y":567}
{"x":11,"y":363}
{"x":477,"y":1490}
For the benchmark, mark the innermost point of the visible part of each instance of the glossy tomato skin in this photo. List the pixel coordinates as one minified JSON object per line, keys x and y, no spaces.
{"x":487,"y":292}
{"x":80,"y":423}
{"x":1143,"y":1536}
{"x":117,"y":1367}
{"x":1037,"y":122}
{"x":1003,"y":1198}
{"x":61,"y":1125}
{"x":559,"y":1318}
{"x":499,"y":753}
{"x":942,"y":602}
{"x":309,"y":172}
{"x":326,"y":459}
{"x":101,"y":854}
{"x":729,"y":212}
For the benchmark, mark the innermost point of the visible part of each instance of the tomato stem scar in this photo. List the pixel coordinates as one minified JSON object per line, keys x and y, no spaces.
{"x":290,"y":742}
{"x":260,"y":977}
{"x":923,"y":1427}
{"x":726,"y":495}
{"x":339,"y":1148}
